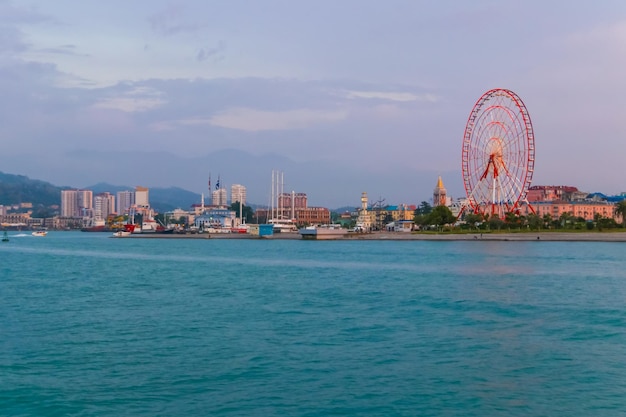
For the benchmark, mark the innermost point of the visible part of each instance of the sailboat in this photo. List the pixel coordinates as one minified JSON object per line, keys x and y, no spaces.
{"x":5,"y":237}
{"x":279,"y":222}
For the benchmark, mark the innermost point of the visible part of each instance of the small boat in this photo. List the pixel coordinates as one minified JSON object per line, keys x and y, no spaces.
{"x":5,"y":237}
{"x":40,"y":233}
{"x":121,"y":233}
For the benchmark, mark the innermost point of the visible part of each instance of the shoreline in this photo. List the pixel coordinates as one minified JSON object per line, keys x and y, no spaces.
{"x":404,"y":236}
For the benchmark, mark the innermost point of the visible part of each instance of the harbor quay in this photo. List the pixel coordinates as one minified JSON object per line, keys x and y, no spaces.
{"x":474,"y":237}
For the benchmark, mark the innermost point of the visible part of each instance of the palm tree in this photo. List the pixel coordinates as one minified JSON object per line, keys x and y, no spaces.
{"x":547,"y":220}
{"x":620,"y":209}
{"x":534,"y":221}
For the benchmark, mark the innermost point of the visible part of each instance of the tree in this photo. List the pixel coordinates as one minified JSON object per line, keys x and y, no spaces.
{"x":473,"y":219}
{"x":512,"y":219}
{"x":246,"y":211}
{"x":441,"y":215}
{"x":547,"y":220}
{"x":620,"y":209}
{"x":495,"y":222}
{"x":534,"y":221}
{"x":565,"y":219}
{"x":424,"y":208}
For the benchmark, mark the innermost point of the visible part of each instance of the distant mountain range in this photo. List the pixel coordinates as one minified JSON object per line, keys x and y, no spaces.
{"x":15,"y":189}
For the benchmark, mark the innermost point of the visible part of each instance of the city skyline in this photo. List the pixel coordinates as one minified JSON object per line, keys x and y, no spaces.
{"x":343,"y":98}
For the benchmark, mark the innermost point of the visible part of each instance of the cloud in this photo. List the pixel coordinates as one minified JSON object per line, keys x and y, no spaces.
{"x":137,"y":100}
{"x":170,"y":21}
{"x":63,"y":50}
{"x":391,"y":96}
{"x":217,"y":52}
{"x":252,"y":120}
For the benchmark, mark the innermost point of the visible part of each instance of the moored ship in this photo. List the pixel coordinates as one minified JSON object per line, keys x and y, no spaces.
{"x":322,"y":232}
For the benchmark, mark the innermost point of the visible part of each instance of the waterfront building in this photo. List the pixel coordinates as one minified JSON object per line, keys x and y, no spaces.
{"x":217,"y":218}
{"x":552,"y":193}
{"x":14,"y":220}
{"x":583,"y":209}
{"x":293,"y":200}
{"x":238,"y":193}
{"x":401,"y":212}
{"x":125,"y":200}
{"x":301,"y":217}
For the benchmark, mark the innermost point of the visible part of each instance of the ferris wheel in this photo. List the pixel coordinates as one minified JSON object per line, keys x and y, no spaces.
{"x":498,"y":154}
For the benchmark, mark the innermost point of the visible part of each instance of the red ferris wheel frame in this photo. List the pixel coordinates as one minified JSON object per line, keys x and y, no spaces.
{"x":498,"y":155}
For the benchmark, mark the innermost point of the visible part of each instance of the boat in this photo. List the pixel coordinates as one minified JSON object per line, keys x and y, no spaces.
{"x":39,"y":233}
{"x":5,"y":237}
{"x":148,"y":226}
{"x":322,"y":232}
{"x":121,"y":233}
{"x":283,"y":225}
{"x":96,"y":225}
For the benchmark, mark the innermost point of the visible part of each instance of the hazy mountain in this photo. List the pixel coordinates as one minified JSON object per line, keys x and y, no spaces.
{"x":328,"y":183}
{"x":15,"y":189}
{"x":161,"y":199}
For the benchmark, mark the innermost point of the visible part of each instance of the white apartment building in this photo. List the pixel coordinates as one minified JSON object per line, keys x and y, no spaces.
{"x":238,"y":193}
{"x":142,"y":200}
{"x":103,"y":206}
{"x":69,"y":203}
{"x":219,"y":197}
{"x":125,"y":200}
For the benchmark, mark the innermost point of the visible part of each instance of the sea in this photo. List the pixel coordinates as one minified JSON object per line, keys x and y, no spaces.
{"x":98,"y":326}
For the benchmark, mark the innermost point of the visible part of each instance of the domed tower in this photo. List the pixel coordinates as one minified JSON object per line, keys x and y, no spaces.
{"x":439,"y":194}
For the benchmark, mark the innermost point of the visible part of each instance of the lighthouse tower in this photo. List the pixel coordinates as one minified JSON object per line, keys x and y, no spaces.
{"x":439,"y":194}
{"x":363,"y":223}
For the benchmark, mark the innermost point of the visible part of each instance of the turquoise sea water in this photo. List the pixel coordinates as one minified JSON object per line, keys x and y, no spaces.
{"x":93,"y":326}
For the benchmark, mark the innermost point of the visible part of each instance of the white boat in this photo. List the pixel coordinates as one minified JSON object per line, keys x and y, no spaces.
{"x":283,"y":225}
{"x":121,"y":233}
{"x":39,"y":233}
{"x":323,"y":232}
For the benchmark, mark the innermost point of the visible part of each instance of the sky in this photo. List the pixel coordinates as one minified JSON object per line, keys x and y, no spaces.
{"x":342,"y":97}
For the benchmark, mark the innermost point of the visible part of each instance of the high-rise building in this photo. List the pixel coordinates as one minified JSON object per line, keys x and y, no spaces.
{"x":76,"y":203}
{"x":439,"y":194}
{"x":219,"y":197}
{"x":125,"y":200}
{"x":103,"y":206}
{"x":69,"y":203}
{"x":142,"y":200}
{"x":85,"y":202}
{"x":238,"y":193}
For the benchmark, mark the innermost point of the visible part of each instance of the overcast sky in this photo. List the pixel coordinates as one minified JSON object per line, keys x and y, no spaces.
{"x":343,"y":96}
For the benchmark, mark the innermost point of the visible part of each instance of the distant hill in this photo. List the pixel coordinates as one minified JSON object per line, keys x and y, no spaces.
{"x":15,"y":189}
{"x":344,"y":209}
{"x":161,"y":199}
